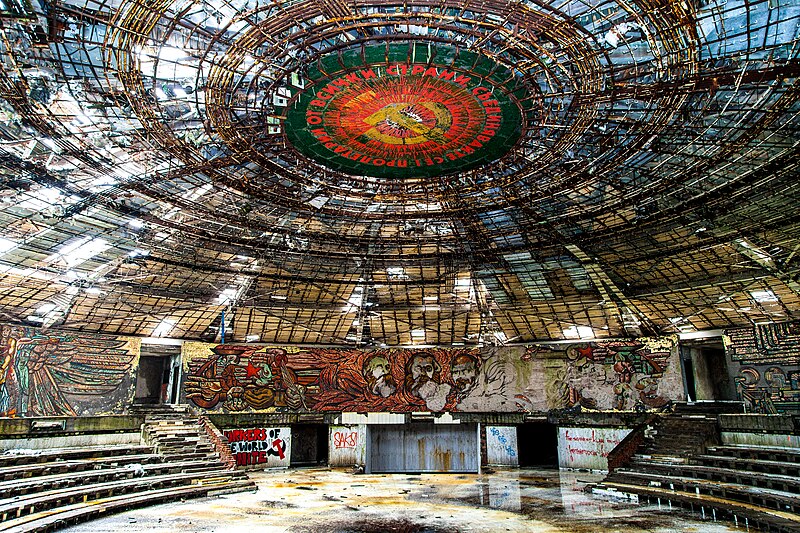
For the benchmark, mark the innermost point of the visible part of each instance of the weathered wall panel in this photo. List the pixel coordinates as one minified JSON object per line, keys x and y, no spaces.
{"x":622,"y":375}
{"x":764,"y":362}
{"x":587,"y":447}
{"x":260,"y":446}
{"x":51,"y":373}
{"x":501,"y":445}
{"x":347,"y":445}
{"x":423,"y":448}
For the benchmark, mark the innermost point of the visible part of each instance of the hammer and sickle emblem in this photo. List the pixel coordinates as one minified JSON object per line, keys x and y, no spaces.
{"x":402,"y":124}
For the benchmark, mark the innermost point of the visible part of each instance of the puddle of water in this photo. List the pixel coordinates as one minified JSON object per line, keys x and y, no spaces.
{"x":336,"y":501}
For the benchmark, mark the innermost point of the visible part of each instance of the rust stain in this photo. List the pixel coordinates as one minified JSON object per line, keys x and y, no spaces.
{"x":421,"y":445}
{"x":443,"y":460}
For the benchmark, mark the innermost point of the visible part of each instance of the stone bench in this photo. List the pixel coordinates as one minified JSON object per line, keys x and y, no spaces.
{"x":759,"y":496}
{"x":80,"y":512}
{"x":11,"y":508}
{"x":25,"y":486}
{"x":742,"y":514}
{"x":782,"y":482}
{"x":77,"y":465}
{"x":785,"y":455}
{"x":14,"y":458}
{"x":751,"y":465}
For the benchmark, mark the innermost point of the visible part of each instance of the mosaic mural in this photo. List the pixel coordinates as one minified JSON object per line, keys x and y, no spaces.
{"x":624,"y":375}
{"x":636,"y":374}
{"x":765,"y":365}
{"x":401,"y":111}
{"x":49,"y":373}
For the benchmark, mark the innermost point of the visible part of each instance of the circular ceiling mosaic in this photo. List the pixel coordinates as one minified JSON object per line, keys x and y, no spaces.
{"x":406,"y":114}
{"x":403,"y":112}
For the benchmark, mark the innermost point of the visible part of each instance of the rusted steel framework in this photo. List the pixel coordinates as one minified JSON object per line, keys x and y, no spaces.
{"x":148,"y":183}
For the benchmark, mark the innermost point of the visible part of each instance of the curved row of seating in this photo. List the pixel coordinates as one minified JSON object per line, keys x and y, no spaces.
{"x":47,"y":490}
{"x":681,"y":463}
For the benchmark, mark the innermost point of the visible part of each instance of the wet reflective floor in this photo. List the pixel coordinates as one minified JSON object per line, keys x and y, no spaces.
{"x":322,"y":500}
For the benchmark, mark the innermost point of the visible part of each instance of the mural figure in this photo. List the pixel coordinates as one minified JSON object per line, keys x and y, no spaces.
{"x":351,"y":380}
{"x":7,"y":350}
{"x":622,"y":395}
{"x":215,"y":380}
{"x":464,"y":373}
{"x":238,"y":378}
{"x":648,"y":393}
{"x":477,"y":383}
{"x":599,"y":375}
{"x":51,"y":374}
{"x":620,"y":375}
{"x":378,"y":374}
{"x":423,"y":380}
{"x":794,"y":380}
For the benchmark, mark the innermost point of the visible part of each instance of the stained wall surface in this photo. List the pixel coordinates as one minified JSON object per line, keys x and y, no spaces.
{"x":640,"y":373}
{"x":587,"y":447}
{"x":347,"y":445}
{"x":51,"y":373}
{"x":501,"y":445}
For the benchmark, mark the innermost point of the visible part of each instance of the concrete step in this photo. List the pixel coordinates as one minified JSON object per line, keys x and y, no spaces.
{"x":81,"y":512}
{"x":24,"y":457}
{"x":11,"y":508}
{"x":741,"y":513}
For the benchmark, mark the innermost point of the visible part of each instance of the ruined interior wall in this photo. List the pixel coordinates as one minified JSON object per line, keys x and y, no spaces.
{"x":587,"y":447}
{"x":636,"y":374}
{"x":52,"y":373}
{"x":764,"y":362}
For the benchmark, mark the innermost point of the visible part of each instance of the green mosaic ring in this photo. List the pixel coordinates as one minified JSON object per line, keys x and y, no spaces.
{"x":407,"y":112}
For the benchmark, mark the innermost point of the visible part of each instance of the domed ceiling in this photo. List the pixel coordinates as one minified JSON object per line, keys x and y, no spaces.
{"x":384,"y":173}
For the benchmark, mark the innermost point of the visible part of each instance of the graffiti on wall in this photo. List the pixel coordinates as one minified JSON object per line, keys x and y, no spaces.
{"x":587,"y":447}
{"x":345,"y":439}
{"x":259,"y":446}
{"x":637,"y":374}
{"x":601,"y":375}
{"x":501,"y":445}
{"x":765,"y":363}
{"x":347,"y":445}
{"x":64,"y":374}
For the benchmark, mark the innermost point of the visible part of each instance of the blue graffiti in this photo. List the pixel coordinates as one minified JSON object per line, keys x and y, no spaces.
{"x":504,"y":442}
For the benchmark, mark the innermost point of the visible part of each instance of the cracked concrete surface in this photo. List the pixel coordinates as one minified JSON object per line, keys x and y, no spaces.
{"x":323,"y":500}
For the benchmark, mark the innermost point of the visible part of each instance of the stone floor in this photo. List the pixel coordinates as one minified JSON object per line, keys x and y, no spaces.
{"x":322,"y":500}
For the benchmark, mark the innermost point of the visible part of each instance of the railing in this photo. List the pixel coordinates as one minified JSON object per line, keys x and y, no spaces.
{"x":219,"y":441}
{"x":621,"y":454}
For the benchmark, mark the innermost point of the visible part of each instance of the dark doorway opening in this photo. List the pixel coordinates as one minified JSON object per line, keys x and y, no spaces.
{"x":688,"y":375}
{"x":150,"y":380}
{"x":721,"y":382}
{"x":537,"y":444}
{"x":309,"y":444}
{"x":706,"y":374}
{"x":176,"y":383}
